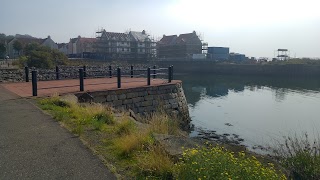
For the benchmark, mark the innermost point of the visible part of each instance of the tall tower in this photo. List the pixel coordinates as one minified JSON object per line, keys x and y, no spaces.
{"x":283,"y":54}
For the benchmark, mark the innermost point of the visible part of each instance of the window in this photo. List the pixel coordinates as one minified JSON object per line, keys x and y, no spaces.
{"x":122,"y":49}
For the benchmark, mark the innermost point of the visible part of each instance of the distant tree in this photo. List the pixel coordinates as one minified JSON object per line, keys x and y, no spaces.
{"x":31,"y":47}
{"x":17,"y":45}
{"x":2,"y":36}
{"x":2,"y":49}
{"x":42,"y":57}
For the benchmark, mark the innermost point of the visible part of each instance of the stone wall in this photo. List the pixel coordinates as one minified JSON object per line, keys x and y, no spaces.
{"x":144,"y":100}
{"x":11,"y":75}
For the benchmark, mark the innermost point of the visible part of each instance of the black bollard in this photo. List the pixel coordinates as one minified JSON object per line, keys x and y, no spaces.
{"x":169,"y":74}
{"x":57,"y":73}
{"x":110,"y":72}
{"x":119,"y":77}
{"x":149,"y":76}
{"x":131,"y":72}
{"x":34,"y":84}
{"x":84,"y":71}
{"x":81,"y":79}
{"x":26,"y":70}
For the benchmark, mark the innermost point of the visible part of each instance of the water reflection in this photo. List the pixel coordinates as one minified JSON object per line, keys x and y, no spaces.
{"x":213,"y":86}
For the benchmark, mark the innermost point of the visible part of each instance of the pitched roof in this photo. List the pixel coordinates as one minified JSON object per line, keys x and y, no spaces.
{"x":189,"y":38}
{"x":73,"y":40}
{"x":139,"y":36}
{"x":61,"y":45}
{"x":87,"y":40}
{"x":167,"y":40}
{"x":25,"y":41}
{"x":115,"y":36}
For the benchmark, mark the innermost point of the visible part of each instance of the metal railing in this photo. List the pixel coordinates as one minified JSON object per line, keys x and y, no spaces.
{"x":118,"y":73}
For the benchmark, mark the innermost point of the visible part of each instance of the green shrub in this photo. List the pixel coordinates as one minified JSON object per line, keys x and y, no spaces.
{"x":218,"y":163}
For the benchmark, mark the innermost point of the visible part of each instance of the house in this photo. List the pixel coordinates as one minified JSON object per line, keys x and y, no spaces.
{"x":81,"y":47}
{"x":131,"y":45}
{"x":141,"y":45}
{"x":25,"y":40}
{"x":63,"y":48}
{"x":182,"y":46}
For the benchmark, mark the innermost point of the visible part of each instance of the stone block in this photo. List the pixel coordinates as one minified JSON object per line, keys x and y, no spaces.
{"x":112,"y":98}
{"x":146,"y":103}
{"x":137,"y":99}
{"x":127,"y":101}
{"x":117,"y":103}
{"x":155,"y":102}
{"x":122,"y":96}
{"x":171,"y":101}
{"x":149,"y":97}
{"x":174,"y":105}
{"x":142,"y":93}
{"x":132,"y":95}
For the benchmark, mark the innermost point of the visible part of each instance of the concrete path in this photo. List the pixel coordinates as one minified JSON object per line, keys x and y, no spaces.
{"x":34,"y":146}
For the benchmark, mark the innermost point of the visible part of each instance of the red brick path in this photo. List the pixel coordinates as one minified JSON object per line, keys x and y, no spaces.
{"x":47,"y":88}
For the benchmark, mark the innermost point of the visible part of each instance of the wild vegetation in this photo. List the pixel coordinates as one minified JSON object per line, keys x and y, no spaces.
{"x":134,"y":152}
{"x":219,"y":163}
{"x":299,"y":156}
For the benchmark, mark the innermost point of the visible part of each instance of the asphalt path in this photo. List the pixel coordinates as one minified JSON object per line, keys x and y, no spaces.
{"x":34,"y":146}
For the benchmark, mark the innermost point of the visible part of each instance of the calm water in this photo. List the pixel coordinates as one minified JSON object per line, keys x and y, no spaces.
{"x":259,"y":109}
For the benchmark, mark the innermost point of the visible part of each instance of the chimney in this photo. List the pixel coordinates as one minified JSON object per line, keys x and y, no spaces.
{"x":143,"y":32}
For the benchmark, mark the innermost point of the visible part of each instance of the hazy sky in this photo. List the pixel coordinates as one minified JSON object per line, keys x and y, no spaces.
{"x":254,"y":27}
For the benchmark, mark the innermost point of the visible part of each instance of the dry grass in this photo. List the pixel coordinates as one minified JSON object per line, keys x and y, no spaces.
{"x":155,"y":164}
{"x":161,"y":123}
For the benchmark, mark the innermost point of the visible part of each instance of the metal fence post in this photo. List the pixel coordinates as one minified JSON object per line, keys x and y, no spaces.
{"x":131,"y":72}
{"x":26,"y":70}
{"x":148,"y":80}
{"x":81,"y":79}
{"x":110,"y":72}
{"x":57,"y":73}
{"x":119,"y":77}
{"x":84,"y":71}
{"x":34,"y":84}
{"x":154,"y":72}
{"x":169,"y":74}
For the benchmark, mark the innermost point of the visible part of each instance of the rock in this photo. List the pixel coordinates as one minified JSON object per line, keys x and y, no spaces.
{"x":173,"y":144}
{"x":85,"y":97}
{"x":228,"y":124}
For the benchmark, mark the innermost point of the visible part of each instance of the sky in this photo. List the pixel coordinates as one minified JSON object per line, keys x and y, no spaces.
{"x":256,"y":28}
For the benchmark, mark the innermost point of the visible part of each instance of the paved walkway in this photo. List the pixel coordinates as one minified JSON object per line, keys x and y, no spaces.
{"x":34,"y":146}
{"x":47,"y":88}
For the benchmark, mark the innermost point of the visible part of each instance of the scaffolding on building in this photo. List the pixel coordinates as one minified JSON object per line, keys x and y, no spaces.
{"x":111,"y":45}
